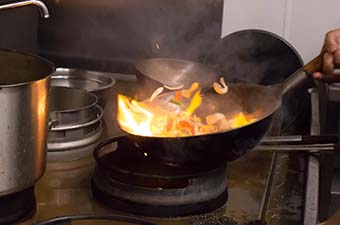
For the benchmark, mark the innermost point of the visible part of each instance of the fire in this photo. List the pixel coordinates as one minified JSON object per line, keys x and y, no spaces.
{"x":241,"y":120}
{"x":134,"y":117}
{"x":140,"y":118}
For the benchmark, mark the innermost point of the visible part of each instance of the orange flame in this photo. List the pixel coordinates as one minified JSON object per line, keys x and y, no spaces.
{"x":140,"y":119}
{"x":134,"y":118}
{"x":241,"y":120}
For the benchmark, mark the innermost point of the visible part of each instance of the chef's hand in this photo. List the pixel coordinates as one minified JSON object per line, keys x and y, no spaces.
{"x":331,"y":55}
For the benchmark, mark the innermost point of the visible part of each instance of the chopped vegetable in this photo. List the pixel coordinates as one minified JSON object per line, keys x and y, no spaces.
{"x":214,"y":118}
{"x":173,"y":88}
{"x":221,"y":88}
{"x":194,"y":86}
{"x":169,"y":124}
{"x":178,"y":96}
{"x":185,"y":125}
{"x":195,"y":102}
{"x":188,"y":92}
{"x":223,"y":82}
{"x":240,"y":120}
{"x":207,"y":129}
{"x":173,"y":101}
{"x":224,"y":124}
{"x":143,"y":119}
{"x":157,"y":92}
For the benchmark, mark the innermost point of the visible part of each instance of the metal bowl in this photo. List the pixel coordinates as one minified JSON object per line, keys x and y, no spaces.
{"x":86,"y":80}
{"x":99,"y":83}
{"x":71,"y":107}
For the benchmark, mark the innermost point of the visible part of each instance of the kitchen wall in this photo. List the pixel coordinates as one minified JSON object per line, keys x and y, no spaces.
{"x":109,"y":35}
{"x":303,"y":23}
{"x":19,"y":28}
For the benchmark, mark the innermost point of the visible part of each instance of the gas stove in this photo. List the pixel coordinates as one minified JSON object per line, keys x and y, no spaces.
{"x":126,"y":178}
{"x":259,"y":185}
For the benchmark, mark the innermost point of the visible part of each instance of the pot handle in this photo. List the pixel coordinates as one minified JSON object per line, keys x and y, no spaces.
{"x":100,"y":147}
{"x":55,"y":122}
{"x":51,"y":123}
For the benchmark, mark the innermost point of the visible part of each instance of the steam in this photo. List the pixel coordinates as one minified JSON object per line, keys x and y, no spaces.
{"x":252,"y":56}
{"x":107,"y":31}
{"x":255,"y":56}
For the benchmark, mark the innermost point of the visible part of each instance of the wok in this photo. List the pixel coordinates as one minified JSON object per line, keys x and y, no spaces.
{"x":212,"y":148}
{"x":173,"y":74}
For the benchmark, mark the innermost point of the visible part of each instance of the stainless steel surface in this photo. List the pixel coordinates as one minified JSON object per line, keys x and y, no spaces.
{"x":294,"y":80}
{"x":267,"y":190}
{"x":71,"y":107}
{"x":315,"y":148}
{"x":98,"y":116}
{"x":99,"y":83}
{"x":42,"y":7}
{"x":274,"y":140}
{"x":75,"y":141}
{"x":75,"y":132}
{"x":87,"y":80}
{"x":312,"y":192}
{"x":327,"y":97}
{"x":24,"y":87}
{"x":312,"y":183}
{"x":68,"y":150}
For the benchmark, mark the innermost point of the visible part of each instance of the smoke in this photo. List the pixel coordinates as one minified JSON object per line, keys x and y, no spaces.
{"x":255,"y":56}
{"x":107,"y":31}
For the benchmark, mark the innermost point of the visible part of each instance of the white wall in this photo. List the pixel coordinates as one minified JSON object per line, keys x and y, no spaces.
{"x":302,"y":22}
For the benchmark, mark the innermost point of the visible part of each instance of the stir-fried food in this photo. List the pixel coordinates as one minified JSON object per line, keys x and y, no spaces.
{"x":221,"y":88}
{"x":176,"y":117}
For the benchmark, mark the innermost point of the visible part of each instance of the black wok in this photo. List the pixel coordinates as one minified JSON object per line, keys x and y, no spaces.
{"x":212,"y":148}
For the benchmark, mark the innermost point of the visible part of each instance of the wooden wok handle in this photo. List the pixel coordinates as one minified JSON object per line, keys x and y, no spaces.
{"x":315,"y":65}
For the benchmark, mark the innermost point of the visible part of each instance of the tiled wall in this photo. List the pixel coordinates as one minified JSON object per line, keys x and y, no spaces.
{"x":302,"y":22}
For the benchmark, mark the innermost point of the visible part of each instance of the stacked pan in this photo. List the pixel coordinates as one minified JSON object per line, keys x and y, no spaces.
{"x":75,"y":124}
{"x":99,"y":83}
{"x":81,"y":112}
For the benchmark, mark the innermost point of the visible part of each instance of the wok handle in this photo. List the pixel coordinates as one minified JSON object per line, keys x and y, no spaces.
{"x":315,"y":65}
{"x":100,"y":147}
{"x":308,"y":139}
{"x":302,"y":74}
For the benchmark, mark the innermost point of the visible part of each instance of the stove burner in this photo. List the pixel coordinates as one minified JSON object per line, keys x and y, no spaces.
{"x":127,"y":180}
{"x":17,"y":206}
